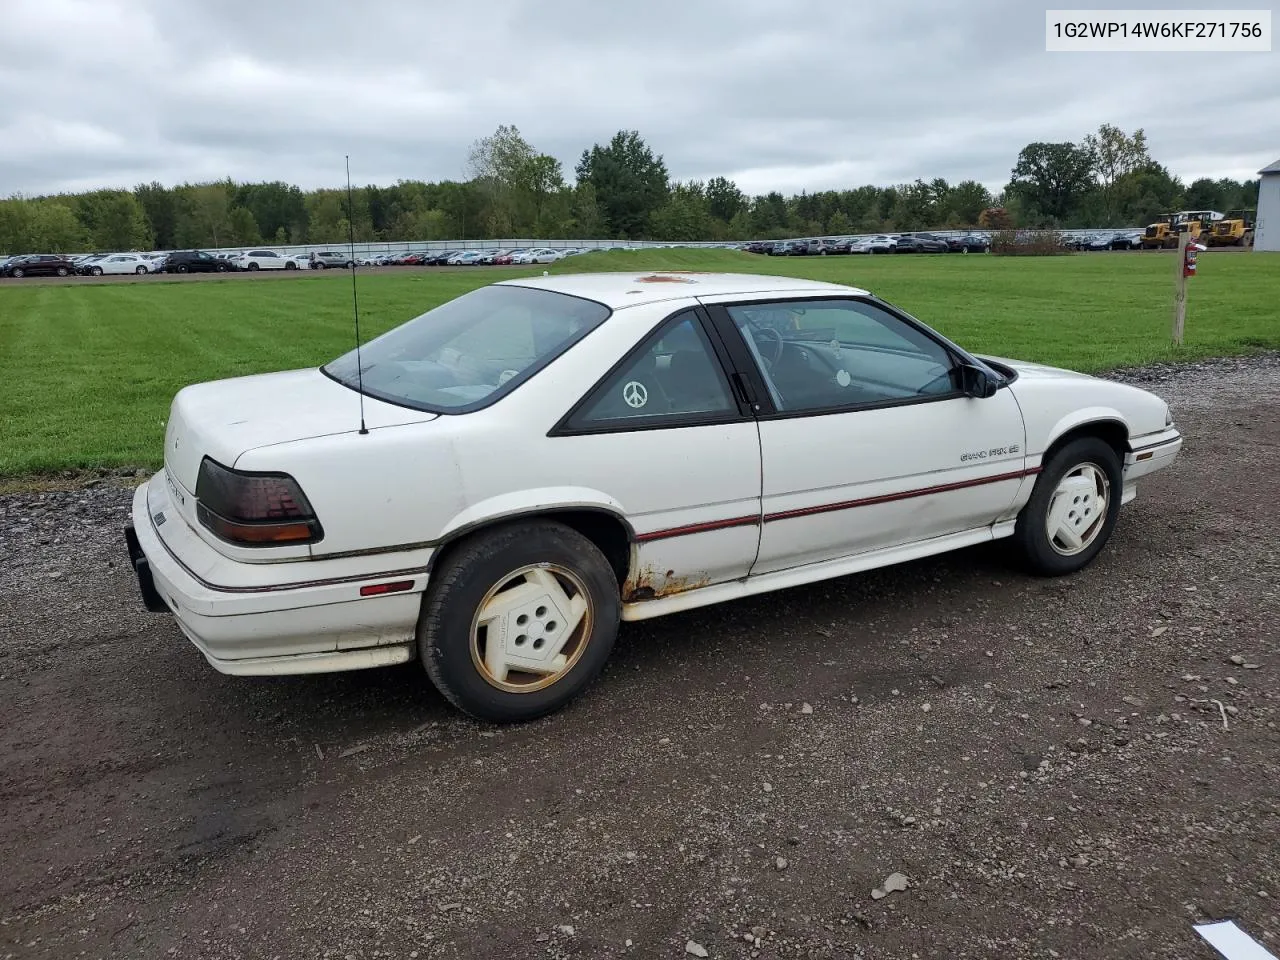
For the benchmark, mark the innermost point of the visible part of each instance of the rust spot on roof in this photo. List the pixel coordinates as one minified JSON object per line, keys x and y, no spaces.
{"x":663,"y":278}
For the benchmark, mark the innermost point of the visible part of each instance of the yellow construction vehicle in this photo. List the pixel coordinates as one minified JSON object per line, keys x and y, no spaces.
{"x":1160,"y":233}
{"x":1234,"y":230}
{"x":1198,"y":224}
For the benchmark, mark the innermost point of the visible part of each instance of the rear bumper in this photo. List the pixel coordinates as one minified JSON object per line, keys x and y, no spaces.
{"x":267,"y":618}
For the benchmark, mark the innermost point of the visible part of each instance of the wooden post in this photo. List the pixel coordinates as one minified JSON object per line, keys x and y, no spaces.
{"x":1180,"y":289}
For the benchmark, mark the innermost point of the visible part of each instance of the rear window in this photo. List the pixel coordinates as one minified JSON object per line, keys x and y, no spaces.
{"x":465,"y":354}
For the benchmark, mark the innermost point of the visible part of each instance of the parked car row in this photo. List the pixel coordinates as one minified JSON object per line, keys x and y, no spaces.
{"x":880,"y":243}
{"x":1107,"y":240}
{"x":199,"y":261}
{"x":469,"y":258}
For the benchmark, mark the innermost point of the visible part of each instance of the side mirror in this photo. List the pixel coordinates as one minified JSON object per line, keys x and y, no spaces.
{"x":976,"y":382}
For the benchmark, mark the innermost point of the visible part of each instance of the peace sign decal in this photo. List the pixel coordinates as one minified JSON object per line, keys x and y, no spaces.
{"x":635,"y":394}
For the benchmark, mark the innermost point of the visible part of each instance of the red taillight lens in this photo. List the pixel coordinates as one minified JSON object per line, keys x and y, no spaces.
{"x":254,"y":509}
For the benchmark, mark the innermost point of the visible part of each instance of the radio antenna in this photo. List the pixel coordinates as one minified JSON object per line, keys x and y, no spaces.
{"x":355,"y":300}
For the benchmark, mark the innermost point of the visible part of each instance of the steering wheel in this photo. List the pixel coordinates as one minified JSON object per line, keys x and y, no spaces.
{"x":769,"y":333}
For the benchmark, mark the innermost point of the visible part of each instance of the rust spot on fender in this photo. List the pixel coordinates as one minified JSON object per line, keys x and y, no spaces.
{"x":649,"y":584}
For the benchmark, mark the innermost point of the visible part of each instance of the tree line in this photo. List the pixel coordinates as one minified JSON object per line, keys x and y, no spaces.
{"x":620,"y":189}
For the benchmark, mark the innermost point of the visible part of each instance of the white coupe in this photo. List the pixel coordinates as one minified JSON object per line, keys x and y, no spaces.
{"x":507,"y":476}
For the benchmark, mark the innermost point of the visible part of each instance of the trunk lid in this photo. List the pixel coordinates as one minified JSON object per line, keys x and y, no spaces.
{"x":226,"y":418}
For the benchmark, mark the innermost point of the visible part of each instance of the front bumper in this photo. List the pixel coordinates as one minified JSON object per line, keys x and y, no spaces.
{"x":302,"y":616}
{"x":1150,"y":453}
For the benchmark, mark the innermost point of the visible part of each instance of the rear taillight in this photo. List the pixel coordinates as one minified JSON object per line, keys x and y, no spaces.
{"x":254,"y":509}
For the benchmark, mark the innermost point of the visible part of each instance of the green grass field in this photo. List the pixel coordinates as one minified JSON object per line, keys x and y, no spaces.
{"x":89,"y":370}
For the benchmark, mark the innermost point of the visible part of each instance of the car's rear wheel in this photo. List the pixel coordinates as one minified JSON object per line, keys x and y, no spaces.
{"x":182,"y":268}
{"x":290,"y":265}
{"x":253,"y":266}
{"x":519,"y":620}
{"x":1073,"y":508}
{"x":319,"y":265}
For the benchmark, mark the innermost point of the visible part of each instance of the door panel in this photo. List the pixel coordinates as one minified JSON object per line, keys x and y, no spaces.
{"x":844,"y":483}
{"x":665,"y":436}
{"x":866,"y":439}
{"x":694,"y":524}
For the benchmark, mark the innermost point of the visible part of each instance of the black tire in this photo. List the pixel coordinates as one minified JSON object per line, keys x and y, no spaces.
{"x":62,"y":271}
{"x":181,"y":268}
{"x":18,"y":273}
{"x":96,"y":271}
{"x":318,"y":265}
{"x":459,"y":585}
{"x":290,"y":265}
{"x":1031,"y":538}
{"x":253,"y":266}
{"x":140,"y":270}
{"x":223,"y":268}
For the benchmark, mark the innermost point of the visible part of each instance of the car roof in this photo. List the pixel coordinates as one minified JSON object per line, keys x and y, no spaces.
{"x":617,"y":290}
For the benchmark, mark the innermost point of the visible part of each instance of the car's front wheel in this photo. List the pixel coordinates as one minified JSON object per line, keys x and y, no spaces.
{"x":140,"y":270}
{"x":518,"y":621}
{"x":96,"y":271}
{"x":1073,"y":508}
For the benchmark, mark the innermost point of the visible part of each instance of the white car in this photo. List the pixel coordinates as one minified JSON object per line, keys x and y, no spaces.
{"x":539,"y":458}
{"x":119,"y":263}
{"x":539,"y":255}
{"x":268,"y":260}
{"x":876,"y":244}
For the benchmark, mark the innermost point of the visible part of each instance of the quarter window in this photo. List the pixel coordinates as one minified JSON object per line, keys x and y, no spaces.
{"x":674,"y":376}
{"x":833,"y":354}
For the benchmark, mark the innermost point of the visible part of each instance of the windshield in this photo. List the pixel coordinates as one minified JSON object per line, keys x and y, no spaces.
{"x":467,"y":353}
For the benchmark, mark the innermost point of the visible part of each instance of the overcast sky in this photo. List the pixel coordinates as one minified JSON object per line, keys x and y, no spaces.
{"x":776,"y":94}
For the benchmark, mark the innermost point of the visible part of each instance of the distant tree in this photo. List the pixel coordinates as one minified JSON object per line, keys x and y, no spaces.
{"x":274,"y":206}
{"x":684,"y":216}
{"x":15,"y":226}
{"x":995,"y":218}
{"x":585,"y":209}
{"x":630,"y":182}
{"x":724,"y":200}
{"x":243,"y":229}
{"x":1115,"y":154}
{"x":55,"y":229}
{"x":1053,"y":177}
{"x":839,"y":224}
{"x":159,"y":205}
{"x":968,"y":199}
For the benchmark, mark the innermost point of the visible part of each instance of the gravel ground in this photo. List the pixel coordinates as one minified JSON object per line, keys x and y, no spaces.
{"x":1081,"y":767}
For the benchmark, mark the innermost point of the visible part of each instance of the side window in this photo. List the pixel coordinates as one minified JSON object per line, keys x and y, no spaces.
{"x":830,"y":354}
{"x":673,"y":376}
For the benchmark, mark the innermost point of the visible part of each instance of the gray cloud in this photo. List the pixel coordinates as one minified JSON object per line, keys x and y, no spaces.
{"x":778,"y":95}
